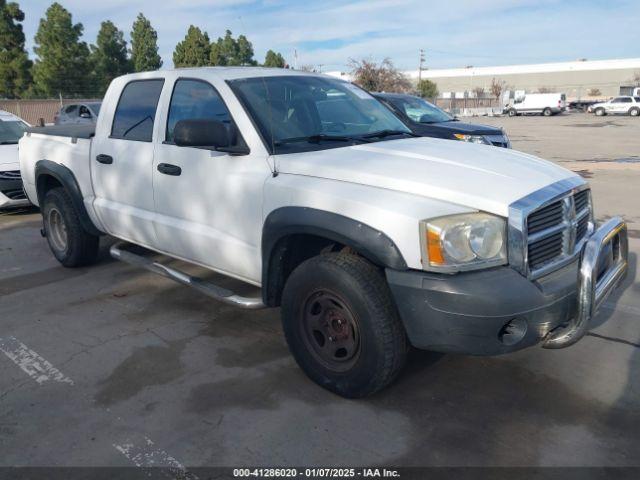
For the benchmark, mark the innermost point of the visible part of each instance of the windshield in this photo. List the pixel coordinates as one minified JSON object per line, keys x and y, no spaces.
{"x":420,"y":110}
{"x":300,"y":113}
{"x":11,"y":131}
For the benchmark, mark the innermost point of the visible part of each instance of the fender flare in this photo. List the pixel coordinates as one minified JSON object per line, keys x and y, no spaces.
{"x":68,"y":180}
{"x":372,"y":244}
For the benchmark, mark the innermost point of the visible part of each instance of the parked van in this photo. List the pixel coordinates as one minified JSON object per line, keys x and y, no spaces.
{"x":546,"y":104}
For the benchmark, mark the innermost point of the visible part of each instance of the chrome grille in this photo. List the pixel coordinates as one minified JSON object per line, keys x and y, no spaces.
{"x":555,"y":231}
{"x":548,"y":228}
{"x":10,"y":175}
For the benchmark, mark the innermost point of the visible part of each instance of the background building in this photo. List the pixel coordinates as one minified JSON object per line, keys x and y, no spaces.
{"x":579,"y":79}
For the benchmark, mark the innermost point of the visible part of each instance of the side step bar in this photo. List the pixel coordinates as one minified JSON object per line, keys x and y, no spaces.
{"x":119,"y":252}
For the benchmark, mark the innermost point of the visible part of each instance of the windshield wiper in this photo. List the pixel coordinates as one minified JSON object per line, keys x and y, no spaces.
{"x":9,"y":143}
{"x":388,"y":133}
{"x":317,"y":138}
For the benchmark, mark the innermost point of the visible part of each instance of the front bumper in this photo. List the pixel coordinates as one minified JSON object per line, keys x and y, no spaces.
{"x":499,"y":311}
{"x":11,"y":191}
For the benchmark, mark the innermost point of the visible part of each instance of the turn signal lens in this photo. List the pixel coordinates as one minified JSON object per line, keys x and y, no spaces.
{"x":435,"y":248}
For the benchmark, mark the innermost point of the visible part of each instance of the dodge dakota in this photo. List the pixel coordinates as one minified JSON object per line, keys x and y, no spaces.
{"x":369,"y":239}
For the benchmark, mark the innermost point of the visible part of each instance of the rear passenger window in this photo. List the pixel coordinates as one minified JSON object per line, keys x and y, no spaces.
{"x":195,"y":100}
{"x":136,"y":110}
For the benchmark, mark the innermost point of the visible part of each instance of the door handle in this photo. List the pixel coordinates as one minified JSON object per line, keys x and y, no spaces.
{"x":169,"y":169}
{"x":106,"y":159}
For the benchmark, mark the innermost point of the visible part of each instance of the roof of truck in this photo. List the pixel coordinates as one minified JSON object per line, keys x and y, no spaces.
{"x":227,"y":73}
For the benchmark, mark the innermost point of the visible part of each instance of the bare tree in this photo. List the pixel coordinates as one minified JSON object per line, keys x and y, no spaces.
{"x":496,"y":88}
{"x":383,"y":77}
{"x":478,"y":92}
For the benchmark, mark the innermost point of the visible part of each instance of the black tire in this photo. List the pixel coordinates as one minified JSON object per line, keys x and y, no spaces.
{"x":512,"y":112}
{"x":77,"y":248}
{"x":361,"y":287}
{"x":634,"y":112}
{"x":600,"y":112}
{"x":547,"y":112}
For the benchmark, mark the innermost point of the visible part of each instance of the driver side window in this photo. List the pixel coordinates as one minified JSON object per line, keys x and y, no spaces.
{"x":195,"y":100}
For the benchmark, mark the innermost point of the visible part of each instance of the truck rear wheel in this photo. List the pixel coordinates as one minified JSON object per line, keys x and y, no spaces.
{"x":69,"y":242}
{"x":547,"y":112}
{"x":342,"y":326}
{"x":634,"y":112}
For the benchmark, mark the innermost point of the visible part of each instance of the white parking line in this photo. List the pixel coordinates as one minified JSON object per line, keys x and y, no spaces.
{"x":31,"y":363}
{"x":147,"y":455}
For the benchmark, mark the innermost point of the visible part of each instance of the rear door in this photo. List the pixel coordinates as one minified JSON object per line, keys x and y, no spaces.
{"x":122,"y":164}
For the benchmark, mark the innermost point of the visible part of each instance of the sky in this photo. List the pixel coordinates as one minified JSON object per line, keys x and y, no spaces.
{"x":453,"y":33}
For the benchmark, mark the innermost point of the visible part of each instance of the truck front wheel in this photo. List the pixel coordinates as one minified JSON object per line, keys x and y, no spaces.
{"x":342,"y":326}
{"x":69,"y":242}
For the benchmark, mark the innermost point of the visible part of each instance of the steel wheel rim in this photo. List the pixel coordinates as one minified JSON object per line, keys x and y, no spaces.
{"x":57,"y":230}
{"x":330,"y":331}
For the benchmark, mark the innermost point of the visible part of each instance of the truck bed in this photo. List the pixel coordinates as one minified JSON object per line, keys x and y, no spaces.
{"x":66,"y":145}
{"x":72,"y":131}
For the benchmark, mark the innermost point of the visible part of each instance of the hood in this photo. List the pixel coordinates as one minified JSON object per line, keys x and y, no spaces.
{"x":476,"y":176}
{"x":449,"y":128}
{"x":8,"y":155}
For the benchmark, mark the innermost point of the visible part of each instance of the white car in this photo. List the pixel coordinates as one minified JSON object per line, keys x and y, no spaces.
{"x":11,"y":192}
{"x":625,"y":105}
{"x":307,"y":187}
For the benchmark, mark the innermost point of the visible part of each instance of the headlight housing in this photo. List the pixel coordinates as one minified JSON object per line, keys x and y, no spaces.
{"x":472,"y":138}
{"x":463,"y":242}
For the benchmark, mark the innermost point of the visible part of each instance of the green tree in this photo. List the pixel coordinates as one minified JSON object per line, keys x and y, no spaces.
{"x":62,"y":66}
{"x":273,"y":59}
{"x":109,"y":56}
{"x":144,"y":46}
{"x":229,"y":51}
{"x":244,"y":52}
{"x":15,"y":66}
{"x":427,"y":89}
{"x":194,"y":50}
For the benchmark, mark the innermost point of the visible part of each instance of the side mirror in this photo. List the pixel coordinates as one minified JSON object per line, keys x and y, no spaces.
{"x":205,"y":133}
{"x":85,"y":115}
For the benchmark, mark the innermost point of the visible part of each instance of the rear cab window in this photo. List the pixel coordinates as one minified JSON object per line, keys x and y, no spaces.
{"x":136,"y":111}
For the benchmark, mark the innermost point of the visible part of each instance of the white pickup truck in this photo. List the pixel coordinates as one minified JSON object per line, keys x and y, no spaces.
{"x":369,"y":239}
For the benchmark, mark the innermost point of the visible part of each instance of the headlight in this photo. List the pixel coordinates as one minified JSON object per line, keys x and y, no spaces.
{"x":463,"y":242}
{"x":472,"y":138}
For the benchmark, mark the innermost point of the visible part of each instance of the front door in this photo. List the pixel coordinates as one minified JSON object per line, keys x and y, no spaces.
{"x":122,"y":165}
{"x":208,"y":203}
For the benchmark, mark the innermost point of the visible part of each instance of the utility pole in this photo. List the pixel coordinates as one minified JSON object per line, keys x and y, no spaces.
{"x":421,"y":65}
